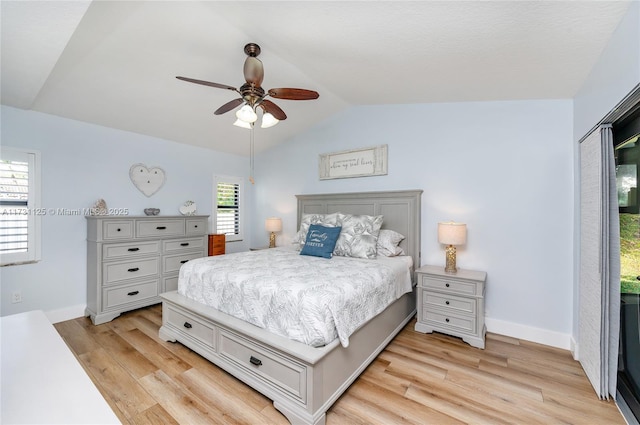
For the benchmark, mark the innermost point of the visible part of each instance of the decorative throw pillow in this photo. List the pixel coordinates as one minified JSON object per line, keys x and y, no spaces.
{"x":330,"y":220}
{"x":320,"y":241}
{"x":387,"y":244}
{"x":359,"y":235}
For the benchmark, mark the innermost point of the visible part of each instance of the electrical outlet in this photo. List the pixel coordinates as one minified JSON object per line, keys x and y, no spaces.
{"x":16,"y":297}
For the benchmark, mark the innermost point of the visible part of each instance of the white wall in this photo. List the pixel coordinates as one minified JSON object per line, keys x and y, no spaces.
{"x":504,"y":168}
{"x":81,"y":163}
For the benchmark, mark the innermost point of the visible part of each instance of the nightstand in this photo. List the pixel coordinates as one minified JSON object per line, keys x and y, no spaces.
{"x":452,"y":303}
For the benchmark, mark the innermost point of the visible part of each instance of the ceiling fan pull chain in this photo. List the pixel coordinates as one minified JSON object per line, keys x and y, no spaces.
{"x":251,"y":155}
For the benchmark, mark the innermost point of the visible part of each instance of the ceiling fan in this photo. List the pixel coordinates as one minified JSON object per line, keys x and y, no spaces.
{"x":253,"y":95}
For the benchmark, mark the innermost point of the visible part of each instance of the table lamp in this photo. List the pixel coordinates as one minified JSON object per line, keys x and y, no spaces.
{"x":273,"y":224}
{"x":452,"y":234}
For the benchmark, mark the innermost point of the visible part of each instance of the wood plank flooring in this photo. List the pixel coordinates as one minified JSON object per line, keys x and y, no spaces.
{"x":417,"y":379}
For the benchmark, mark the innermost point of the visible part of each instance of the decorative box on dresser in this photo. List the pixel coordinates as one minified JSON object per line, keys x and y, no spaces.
{"x":132,"y":260}
{"x":452,"y":303}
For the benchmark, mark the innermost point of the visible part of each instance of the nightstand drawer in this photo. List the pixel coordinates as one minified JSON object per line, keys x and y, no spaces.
{"x":450,"y":302}
{"x":452,"y":286}
{"x":115,"y":297}
{"x":125,"y":270}
{"x":450,"y":321}
{"x":119,"y":250}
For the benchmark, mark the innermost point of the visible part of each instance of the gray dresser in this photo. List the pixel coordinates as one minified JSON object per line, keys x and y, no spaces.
{"x":131,"y":260}
{"x":451,"y":303}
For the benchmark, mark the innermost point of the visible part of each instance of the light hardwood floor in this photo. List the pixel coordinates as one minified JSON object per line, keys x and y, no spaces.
{"x":417,"y":379}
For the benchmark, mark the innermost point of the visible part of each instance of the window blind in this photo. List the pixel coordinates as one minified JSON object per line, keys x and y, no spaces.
{"x":14,"y":202}
{"x":228,"y":208}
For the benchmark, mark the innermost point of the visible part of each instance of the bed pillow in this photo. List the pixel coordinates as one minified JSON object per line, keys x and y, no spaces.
{"x":330,"y":220}
{"x":388,"y":243}
{"x":359,"y":235}
{"x":320,"y":241}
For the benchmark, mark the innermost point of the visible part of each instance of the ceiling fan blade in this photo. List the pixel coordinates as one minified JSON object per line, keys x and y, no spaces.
{"x":253,"y":71}
{"x":208,"y":83}
{"x":293,"y":94}
{"x":229,"y":106}
{"x":273,"y":109}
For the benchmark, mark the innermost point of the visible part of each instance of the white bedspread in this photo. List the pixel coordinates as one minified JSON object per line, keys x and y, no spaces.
{"x":308,"y":299}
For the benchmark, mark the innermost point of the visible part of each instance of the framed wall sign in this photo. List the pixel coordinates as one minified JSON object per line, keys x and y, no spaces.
{"x":354,"y":163}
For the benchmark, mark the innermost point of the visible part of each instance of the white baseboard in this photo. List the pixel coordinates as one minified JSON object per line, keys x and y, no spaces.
{"x":529,"y":333}
{"x":66,"y":313}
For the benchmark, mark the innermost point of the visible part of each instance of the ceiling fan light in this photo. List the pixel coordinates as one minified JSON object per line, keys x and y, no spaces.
{"x":247,"y":114}
{"x":269,"y":120}
{"x":243,"y":124}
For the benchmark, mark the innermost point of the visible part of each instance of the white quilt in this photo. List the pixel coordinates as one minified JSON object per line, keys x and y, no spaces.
{"x":308,"y":299}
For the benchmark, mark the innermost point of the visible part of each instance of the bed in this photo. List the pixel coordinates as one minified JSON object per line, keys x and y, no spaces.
{"x":302,"y":380}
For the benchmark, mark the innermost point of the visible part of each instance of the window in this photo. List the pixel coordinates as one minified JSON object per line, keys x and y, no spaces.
{"x":228,"y":207}
{"x":20,"y":210}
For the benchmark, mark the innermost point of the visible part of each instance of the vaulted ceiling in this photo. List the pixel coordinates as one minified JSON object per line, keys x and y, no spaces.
{"x":113,"y":63}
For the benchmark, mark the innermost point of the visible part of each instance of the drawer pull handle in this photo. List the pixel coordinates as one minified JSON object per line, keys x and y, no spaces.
{"x":118,"y":229}
{"x":131,"y":294}
{"x":196,"y":226}
{"x":161,"y":227}
{"x":184,"y":244}
{"x":446,"y":320}
{"x":446,"y":302}
{"x":255,"y":361}
{"x":133,"y":249}
{"x":446,"y":284}
{"x":135,"y":269}
{"x":187,"y":325}
{"x":183,"y":261}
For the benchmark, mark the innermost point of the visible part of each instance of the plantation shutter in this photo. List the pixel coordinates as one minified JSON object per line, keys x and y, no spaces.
{"x":228,"y":208}
{"x":19,"y":212}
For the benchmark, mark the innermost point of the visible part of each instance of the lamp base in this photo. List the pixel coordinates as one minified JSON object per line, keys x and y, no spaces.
{"x":450,"y":265}
{"x":272,"y":240}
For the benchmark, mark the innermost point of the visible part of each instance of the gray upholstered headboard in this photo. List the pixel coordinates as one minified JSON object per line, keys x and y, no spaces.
{"x":401,"y":211}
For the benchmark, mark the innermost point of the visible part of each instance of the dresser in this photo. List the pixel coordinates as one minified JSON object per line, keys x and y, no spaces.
{"x":452,"y":303}
{"x":132,"y":260}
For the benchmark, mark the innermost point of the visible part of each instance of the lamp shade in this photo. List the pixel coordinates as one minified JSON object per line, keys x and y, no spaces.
{"x":273,"y":224}
{"x":242,"y":124}
{"x":246,"y":114}
{"x":268,"y":120}
{"x":451,"y":233}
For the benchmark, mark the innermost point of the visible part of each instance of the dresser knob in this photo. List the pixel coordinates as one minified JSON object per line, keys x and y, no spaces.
{"x":255,"y":361}
{"x":187,"y":325}
{"x":161,"y":227}
{"x":135,"y":269}
{"x":133,"y":249}
{"x":446,"y":302}
{"x":184,"y":244}
{"x":131,"y":294}
{"x":446,"y":320}
{"x":446,"y":284}
{"x":118,"y":229}
{"x":184,"y":261}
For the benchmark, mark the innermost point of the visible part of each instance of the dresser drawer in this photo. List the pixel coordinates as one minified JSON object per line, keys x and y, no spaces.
{"x":450,"y":302}
{"x":450,"y":321}
{"x":115,"y":297}
{"x":178,"y":245}
{"x":451,"y":286}
{"x":272,"y":368}
{"x":159,"y":228}
{"x":170,"y":283}
{"x":117,"y":229}
{"x":124,"y":270}
{"x":196,"y":226}
{"x":110,"y":251}
{"x":172,"y":263}
{"x":191,"y":326}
